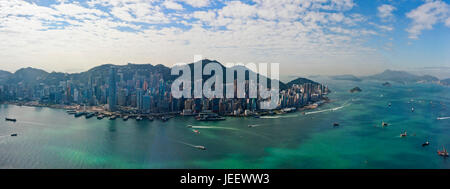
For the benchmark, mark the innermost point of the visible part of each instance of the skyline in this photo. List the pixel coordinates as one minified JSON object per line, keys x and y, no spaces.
{"x":326,"y":37}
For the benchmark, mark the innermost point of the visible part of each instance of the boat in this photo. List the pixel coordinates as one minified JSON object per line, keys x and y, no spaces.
{"x":89,"y":115}
{"x":71,"y":112}
{"x":384,"y":124}
{"x":389,"y":104}
{"x":209,"y":116}
{"x":100,"y":117}
{"x":196,"y":131}
{"x":79,"y":114}
{"x":403,"y":134}
{"x":335,"y":124}
{"x":113,"y":117}
{"x":189,"y":126}
{"x":164,"y":118}
{"x":426,"y":144}
{"x":443,"y":153}
{"x":125,"y":118}
{"x":412,"y":109}
{"x":256,"y":116}
{"x":139,"y":118}
{"x":14,"y":134}
{"x":151,"y":118}
{"x":10,"y":119}
{"x":251,"y":126}
{"x":200,"y":147}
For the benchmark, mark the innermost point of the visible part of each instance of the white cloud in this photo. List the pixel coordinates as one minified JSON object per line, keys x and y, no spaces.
{"x":197,"y":3}
{"x":172,"y":5}
{"x":385,"y":11}
{"x":427,"y":15}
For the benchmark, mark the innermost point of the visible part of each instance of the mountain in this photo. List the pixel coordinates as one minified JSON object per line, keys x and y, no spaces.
{"x":32,"y":76}
{"x":445,"y":82}
{"x":346,"y":77}
{"x":27,"y":76}
{"x":402,"y":77}
{"x":4,"y":75}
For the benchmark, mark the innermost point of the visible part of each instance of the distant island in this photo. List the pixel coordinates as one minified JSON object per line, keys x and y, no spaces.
{"x":356,"y":89}
{"x":387,"y":84}
{"x":402,"y":77}
{"x":346,"y":77}
{"x":445,"y":82}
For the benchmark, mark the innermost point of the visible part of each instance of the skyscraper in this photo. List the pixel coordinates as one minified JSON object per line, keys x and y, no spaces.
{"x":112,"y":89}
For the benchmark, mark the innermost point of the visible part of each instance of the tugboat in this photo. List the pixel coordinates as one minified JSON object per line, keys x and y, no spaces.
{"x":209,"y":116}
{"x":10,"y":119}
{"x":335,"y":124}
{"x":443,"y":153}
{"x":403,"y":134}
{"x":426,"y":144}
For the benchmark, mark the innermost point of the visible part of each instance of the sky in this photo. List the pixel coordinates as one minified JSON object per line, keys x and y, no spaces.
{"x":307,"y":37}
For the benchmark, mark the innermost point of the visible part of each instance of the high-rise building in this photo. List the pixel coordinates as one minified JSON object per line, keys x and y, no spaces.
{"x":112,"y":89}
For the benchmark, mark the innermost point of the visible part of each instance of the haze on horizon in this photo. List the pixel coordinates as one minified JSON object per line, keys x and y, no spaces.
{"x":307,"y":37}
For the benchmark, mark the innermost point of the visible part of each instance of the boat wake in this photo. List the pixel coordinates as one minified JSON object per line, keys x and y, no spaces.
{"x":190,"y":145}
{"x":327,"y":110}
{"x":211,"y":127}
{"x":442,"y":118}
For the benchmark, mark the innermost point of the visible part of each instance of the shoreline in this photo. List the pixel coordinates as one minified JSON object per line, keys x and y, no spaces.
{"x":100,"y":111}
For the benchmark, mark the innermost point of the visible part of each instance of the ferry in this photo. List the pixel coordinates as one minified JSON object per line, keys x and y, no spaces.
{"x":10,"y":119}
{"x":209,"y":116}
{"x":443,"y":153}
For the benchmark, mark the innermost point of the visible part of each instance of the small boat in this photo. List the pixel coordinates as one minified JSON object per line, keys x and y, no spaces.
{"x":196,"y":131}
{"x":412,"y":109}
{"x":79,"y":114}
{"x":389,"y":104}
{"x":139,"y":118}
{"x":251,"y":126}
{"x":151,"y":118}
{"x":443,"y":153}
{"x":89,"y":115}
{"x":200,"y":147}
{"x":125,"y":118}
{"x":164,"y":119}
{"x":403,"y":134}
{"x":384,"y":124}
{"x":113,"y":117}
{"x":14,"y":134}
{"x":189,"y":126}
{"x":100,"y":117}
{"x":335,"y":124}
{"x":426,"y":144}
{"x":10,"y":119}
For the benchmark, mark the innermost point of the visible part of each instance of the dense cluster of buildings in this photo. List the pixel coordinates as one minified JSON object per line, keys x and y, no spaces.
{"x":146,"y":94}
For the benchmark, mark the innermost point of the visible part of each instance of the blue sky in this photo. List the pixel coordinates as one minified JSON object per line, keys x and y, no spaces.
{"x":305,"y":36}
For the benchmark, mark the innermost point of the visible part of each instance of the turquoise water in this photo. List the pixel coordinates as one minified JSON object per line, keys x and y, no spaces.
{"x":50,"y":138}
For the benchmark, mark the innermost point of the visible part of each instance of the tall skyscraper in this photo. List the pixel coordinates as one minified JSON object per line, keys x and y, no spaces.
{"x":112,"y":90}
